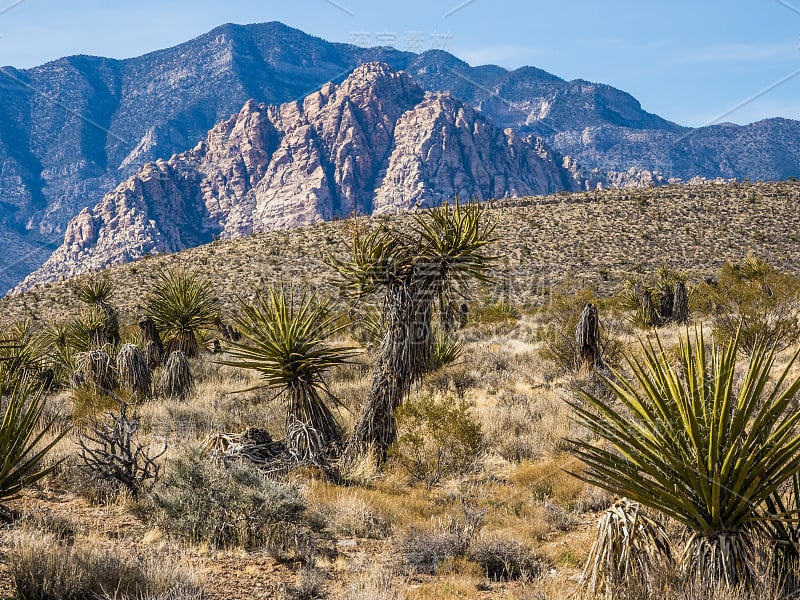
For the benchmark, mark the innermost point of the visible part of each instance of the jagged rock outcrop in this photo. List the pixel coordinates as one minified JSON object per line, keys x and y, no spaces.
{"x":73,"y":129}
{"x":375,"y":143}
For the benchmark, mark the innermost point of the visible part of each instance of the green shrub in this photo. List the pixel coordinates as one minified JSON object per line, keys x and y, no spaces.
{"x":224,"y":506}
{"x":498,"y":311}
{"x":755,"y":299}
{"x":437,"y":437}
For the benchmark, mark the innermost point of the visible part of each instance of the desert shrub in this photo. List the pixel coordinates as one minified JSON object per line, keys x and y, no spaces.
{"x":755,"y":299}
{"x":375,"y":584}
{"x":238,"y":506}
{"x":350,"y":516}
{"x":43,"y":568}
{"x":513,"y":427}
{"x":560,"y":320}
{"x":437,"y":437}
{"x":112,"y":452}
{"x":425,"y":552}
{"x":498,"y":311}
{"x":504,"y":560}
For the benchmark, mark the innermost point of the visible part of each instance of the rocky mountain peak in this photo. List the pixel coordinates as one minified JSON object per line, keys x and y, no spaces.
{"x":374,"y":143}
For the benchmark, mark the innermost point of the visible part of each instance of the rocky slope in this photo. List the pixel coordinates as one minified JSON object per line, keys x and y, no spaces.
{"x":73,"y":129}
{"x":377,"y":143}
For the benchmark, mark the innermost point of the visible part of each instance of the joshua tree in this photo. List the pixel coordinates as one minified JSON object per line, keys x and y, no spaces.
{"x":696,"y":445}
{"x":183,"y":306}
{"x":414,"y":269}
{"x":285,"y":340}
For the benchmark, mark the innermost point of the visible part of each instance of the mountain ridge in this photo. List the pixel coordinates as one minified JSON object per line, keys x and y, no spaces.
{"x":375,"y":144}
{"x":72,"y":129}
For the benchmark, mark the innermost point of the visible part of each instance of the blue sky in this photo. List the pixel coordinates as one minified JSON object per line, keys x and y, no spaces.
{"x":689,"y":61}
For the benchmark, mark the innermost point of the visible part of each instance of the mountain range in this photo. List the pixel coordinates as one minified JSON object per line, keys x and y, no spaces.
{"x":116,"y":158}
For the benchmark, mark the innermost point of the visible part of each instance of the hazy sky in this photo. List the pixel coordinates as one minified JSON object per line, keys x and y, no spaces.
{"x":691,"y":61}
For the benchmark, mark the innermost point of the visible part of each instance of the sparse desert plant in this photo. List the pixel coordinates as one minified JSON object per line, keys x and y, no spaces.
{"x":239,"y":506}
{"x":176,"y":380}
{"x":437,"y":437}
{"x":755,"y":301}
{"x":444,"y":248}
{"x":112,"y":452}
{"x":688,"y":444}
{"x":450,"y":538}
{"x":133,"y":372}
{"x":23,"y":440}
{"x":43,"y":568}
{"x":285,"y":340}
{"x":183,"y":306}
{"x":505,"y":560}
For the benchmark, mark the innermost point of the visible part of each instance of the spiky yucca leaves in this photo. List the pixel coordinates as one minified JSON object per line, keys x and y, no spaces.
{"x":686,"y":443}
{"x":176,"y":380}
{"x":629,"y":544}
{"x":89,"y":331}
{"x":97,"y":291}
{"x":446,"y":350}
{"x":25,"y":354}
{"x":285,"y":340}
{"x":22,"y":439}
{"x":133,"y":372}
{"x":182,"y":305}
{"x":414,"y":268}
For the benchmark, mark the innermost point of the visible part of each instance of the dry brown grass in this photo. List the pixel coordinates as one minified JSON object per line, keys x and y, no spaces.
{"x":521,"y":486}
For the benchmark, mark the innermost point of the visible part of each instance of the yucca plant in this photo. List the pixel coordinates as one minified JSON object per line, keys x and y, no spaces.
{"x":97,"y":291}
{"x":176,"y":380}
{"x":133,"y":372}
{"x":690,"y":442}
{"x":22,"y":440}
{"x":89,"y":331}
{"x":25,"y":354}
{"x":182,"y":305}
{"x":629,"y":544}
{"x":445,"y":351}
{"x":428,"y":263}
{"x":285,"y":340}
